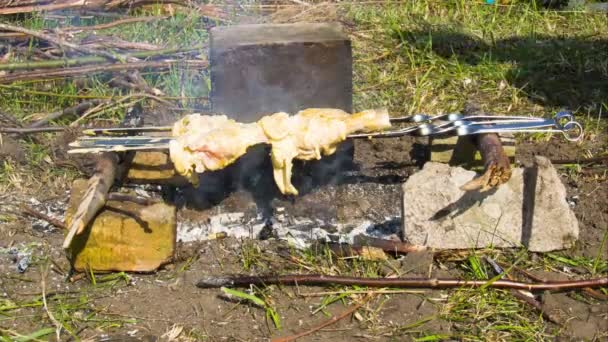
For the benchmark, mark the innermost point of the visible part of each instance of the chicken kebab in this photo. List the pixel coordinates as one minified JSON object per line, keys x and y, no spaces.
{"x":200,"y":143}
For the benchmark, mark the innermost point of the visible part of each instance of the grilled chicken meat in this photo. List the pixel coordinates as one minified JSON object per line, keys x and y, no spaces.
{"x":313,"y":133}
{"x":213,"y":142}
{"x":210,"y":143}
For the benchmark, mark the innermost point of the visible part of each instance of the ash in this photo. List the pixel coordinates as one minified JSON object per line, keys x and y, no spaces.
{"x":362,"y":200}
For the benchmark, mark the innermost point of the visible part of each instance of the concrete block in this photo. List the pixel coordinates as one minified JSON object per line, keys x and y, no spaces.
{"x":124,"y":236}
{"x":529,"y":210}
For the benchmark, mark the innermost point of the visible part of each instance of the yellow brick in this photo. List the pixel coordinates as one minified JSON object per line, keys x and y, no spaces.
{"x":124,"y":236}
{"x":153,"y":167}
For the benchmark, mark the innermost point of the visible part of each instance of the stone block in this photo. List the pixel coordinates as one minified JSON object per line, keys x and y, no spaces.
{"x":529,"y":210}
{"x":124,"y":236}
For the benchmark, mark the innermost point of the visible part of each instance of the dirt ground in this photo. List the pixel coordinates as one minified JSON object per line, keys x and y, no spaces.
{"x":410,"y":57}
{"x":149,"y":306}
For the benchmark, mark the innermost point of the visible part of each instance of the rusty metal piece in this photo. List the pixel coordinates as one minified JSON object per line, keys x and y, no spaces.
{"x":268,"y":68}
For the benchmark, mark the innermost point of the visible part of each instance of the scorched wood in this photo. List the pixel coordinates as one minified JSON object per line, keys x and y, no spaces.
{"x":95,"y":196}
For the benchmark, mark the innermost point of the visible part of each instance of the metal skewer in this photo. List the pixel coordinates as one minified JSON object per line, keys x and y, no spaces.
{"x":455,"y":124}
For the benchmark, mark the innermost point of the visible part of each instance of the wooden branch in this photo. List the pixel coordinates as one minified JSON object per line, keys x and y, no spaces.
{"x":74,"y":110}
{"x":496,"y":163}
{"x":113,"y":23}
{"x":390,"y":246}
{"x":82,"y":4}
{"x":497,"y":167}
{"x":439,"y":283}
{"x":131,"y":198}
{"x":95,"y":196}
{"x":524,"y":296}
{"x":88,"y":70}
{"x":62,"y":63}
{"x":30,"y":211}
{"x":39,"y":8}
{"x":31,"y":130}
{"x":328,"y":322}
{"x":65,"y":43}
{"x":580,"y":161}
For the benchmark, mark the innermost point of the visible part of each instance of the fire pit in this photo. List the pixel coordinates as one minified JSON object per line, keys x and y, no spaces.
{"x":339,"y":199}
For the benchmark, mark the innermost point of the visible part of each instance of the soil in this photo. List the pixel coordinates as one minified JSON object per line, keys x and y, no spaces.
{"x":369,"y":188}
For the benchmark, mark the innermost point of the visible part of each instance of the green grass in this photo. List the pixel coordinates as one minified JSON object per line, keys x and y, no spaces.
{"x":30,"y":100}
{"x":432,"y":56}
{"x":417,"y":56}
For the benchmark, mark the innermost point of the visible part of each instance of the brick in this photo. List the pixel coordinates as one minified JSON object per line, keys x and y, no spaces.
{"x":154,"y":168}
{"x":124,"y":236}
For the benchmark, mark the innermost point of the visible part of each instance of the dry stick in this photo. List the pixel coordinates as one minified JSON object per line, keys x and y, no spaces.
{"x":64,"y":43}
{"x":95,"y":196}
{"x":99,"y":107}
{"x":31,"y":130}
{"x":30,"y":211}
{"x":496,"y":163}
{"x":58,"y":326}
{"x":114,"y":23}
{"x":61,"y":63}
{"x":330,"y":321}
{"x":523,"y":295}
{"x":91,"y":27}
{"x":390,"y":246}
{"x":580,"y":161}
{"x":593,"y":293}
{"x":74,"y":110}
{"x":87,"y":70}
{"x":80,"y":4}
{"x":535,"y":304}
{"x":132,"y":198}
{"x":37,"y":8}
{"x":441,"y":283}
{"x":330,"y":293}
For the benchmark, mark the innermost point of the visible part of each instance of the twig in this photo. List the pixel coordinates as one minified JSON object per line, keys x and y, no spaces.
{"x":524,"y":296}
{"x":88,"y":70}
{"x":329,"y":322}
{"x":37,"y":8}
{"x":82,"y":4}
{"x":91,"y":59}
{"x":300,"y":2}
{"x":593,"y":293}
{"x":31,"y":130}
{"x":30,"y":211}
{"x":113,"y":23}
{"x":329,"y":293}
{"x":441,"y":283}
{"x":58,"y":326}
{"x":91,"y":27}
{"x":496,"y":163}
{"x":390,"y":246}
{"x":91,"y":111}
{"x":580,"y":161}
{"x":74,"y":110}
{"x":64,"y":43}
{"x":131,"y":198}
{"x":94,"y":197}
